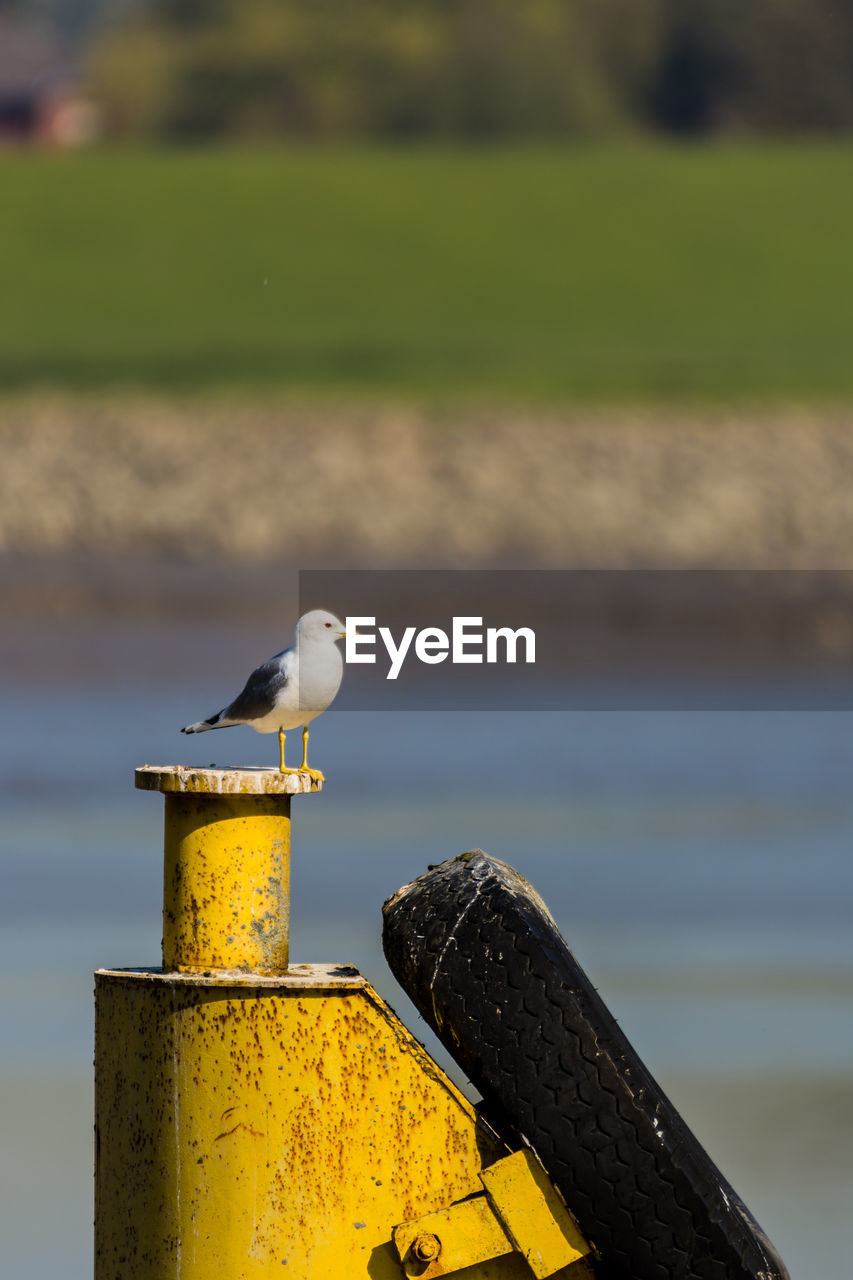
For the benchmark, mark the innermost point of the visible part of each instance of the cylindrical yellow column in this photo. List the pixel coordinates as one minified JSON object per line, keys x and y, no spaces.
{"x":254,"y":1123}
{"x":226,"y":866}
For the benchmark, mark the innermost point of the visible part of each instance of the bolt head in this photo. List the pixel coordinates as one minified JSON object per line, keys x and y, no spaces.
{"x":426,"y":1248}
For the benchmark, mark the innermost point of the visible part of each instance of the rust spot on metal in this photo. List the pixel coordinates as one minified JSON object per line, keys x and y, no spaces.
{"x":240,"y":1125}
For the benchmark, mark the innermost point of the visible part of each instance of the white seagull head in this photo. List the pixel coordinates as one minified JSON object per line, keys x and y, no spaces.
{"x":319,"y":623}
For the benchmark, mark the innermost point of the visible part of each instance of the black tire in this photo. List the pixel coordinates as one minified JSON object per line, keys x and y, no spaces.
{"x":476,"y":950}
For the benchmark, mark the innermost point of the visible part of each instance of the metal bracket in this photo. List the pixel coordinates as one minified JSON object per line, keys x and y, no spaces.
{"x":519,"y":1210}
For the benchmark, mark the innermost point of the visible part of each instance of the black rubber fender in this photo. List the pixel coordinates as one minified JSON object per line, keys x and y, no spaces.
{"x":476,"y":950}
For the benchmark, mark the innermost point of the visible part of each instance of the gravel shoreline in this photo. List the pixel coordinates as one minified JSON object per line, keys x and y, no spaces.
{"x":383,"y":486}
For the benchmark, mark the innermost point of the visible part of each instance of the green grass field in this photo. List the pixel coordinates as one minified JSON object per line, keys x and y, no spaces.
{"x":642,"y":272}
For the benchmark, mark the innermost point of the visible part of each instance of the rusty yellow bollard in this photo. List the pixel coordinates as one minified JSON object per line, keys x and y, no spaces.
{"x":255,"y":1120}
{"x":226,"y":877}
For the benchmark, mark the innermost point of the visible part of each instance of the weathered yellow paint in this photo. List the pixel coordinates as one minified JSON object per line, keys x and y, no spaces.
{"x":254,"y":1120}
{"x":533,"y":1214}
{"x":226,"y":882}
{"x":458,"y":1237}
{"x":226,"y":866}
{"x":520,"y":1210}
{"x":245,"y":1124}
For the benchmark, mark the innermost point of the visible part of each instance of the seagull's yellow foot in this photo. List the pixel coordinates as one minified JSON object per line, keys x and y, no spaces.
{"x":303,"y":768}
{"x":313,"y":773}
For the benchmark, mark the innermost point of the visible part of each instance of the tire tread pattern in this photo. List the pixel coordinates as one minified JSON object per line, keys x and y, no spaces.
{"x":478,"y":953}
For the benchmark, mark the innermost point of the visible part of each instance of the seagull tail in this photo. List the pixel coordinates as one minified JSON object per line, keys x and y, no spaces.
{"x":202,"y":726}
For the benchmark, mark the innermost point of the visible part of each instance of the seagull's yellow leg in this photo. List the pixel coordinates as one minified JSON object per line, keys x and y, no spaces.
{"x":303,"y":768}
{"x":282,"y":768}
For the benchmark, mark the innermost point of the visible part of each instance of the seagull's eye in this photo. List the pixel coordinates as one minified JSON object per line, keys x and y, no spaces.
{"x":328,"y":624}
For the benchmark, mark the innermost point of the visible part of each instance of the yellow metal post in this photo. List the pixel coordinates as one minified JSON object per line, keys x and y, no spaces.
{"x":254,"y":1120}
{"x":226,"y":876}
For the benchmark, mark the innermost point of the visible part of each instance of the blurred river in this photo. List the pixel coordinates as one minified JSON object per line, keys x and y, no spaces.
{"x":699,"y":864}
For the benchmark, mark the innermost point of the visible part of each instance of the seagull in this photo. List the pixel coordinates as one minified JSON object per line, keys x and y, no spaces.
{"x":291,"y":688}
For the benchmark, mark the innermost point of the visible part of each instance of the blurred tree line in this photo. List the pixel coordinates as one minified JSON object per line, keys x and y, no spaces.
{"x":478,"y":69}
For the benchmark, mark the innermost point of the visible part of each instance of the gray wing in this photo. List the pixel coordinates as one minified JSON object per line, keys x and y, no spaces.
{"x":258,"y":696}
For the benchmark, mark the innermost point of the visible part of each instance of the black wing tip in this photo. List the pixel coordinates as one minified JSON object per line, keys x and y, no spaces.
{"x":201,"y":725}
